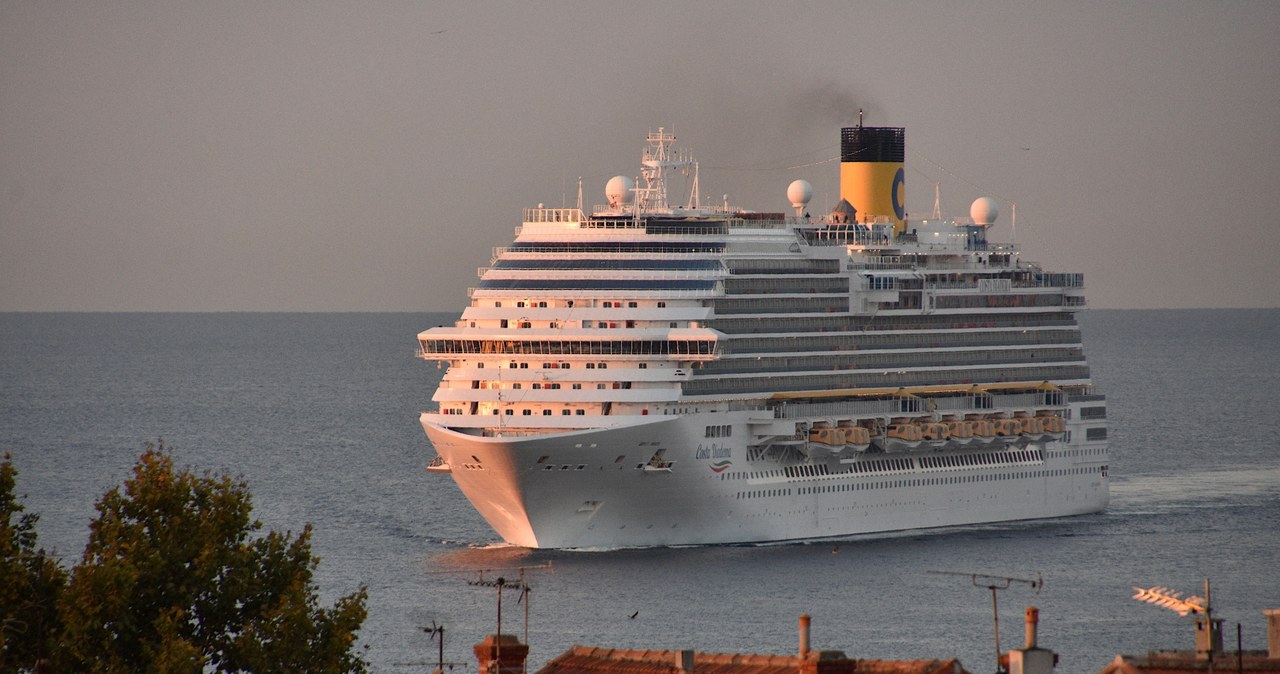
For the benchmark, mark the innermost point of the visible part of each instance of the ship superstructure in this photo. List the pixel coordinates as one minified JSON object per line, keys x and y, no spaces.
{"x":649,"y":374}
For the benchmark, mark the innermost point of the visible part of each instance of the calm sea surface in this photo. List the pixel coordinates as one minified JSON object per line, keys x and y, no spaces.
{"x":319,"y":413}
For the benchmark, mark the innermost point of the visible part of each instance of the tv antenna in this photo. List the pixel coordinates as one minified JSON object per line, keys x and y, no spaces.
{"x":995,"y":583}
{"x":1208,"y":628}
{"x":433,"y":631}
{"x":1163,"y":596}
{"x":520,"y":586}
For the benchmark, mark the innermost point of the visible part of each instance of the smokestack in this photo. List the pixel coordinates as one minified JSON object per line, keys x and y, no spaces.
{"x":804,"y":635}
{"x":1033,"y":621}
{"x":871,"y":173}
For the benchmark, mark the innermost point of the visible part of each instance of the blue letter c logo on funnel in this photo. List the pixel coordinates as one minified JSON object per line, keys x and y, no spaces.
{"x":899,"y":180}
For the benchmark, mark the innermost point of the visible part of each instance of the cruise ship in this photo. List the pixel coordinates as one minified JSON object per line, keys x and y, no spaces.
{"x":649,"y":374}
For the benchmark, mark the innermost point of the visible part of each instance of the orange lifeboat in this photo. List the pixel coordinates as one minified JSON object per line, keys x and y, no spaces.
{"x":832,"y":437}
{"x":857,"y":435}
{"x":934,"y":432}
{"x":1007,"y":428}
{"x":899,"y":437}
{"x":961,"y":432}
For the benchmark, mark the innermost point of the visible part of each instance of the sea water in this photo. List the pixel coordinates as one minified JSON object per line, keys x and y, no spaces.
{"x":318,"y":413}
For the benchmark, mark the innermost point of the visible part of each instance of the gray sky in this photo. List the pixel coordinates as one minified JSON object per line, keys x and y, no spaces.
{"x":291,"y":156}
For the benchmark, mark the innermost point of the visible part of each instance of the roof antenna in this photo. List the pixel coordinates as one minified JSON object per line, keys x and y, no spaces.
{"x":1208,"y":628}
{"x":994,"y":583}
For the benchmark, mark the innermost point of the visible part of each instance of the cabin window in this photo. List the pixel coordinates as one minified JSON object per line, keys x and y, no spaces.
{"x":662,"y":305}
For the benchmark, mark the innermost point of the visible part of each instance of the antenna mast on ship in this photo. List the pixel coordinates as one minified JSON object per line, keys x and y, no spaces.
{"x":658,"y":160}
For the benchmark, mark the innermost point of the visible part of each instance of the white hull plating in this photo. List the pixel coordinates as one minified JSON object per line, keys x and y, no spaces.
{"x":600,"y":489}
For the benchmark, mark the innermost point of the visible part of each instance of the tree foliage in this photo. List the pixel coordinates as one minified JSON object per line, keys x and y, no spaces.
{"x":176,"y":578}
{"x":30,"y":581}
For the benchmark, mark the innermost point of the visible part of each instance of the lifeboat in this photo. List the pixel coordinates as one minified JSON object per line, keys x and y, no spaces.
{"x":856,"y":437}
{"x":1054,"y":426}
{"x":934,"y":432}
{"x":984,"y":433}
{"x":1007,"y":428}
{"x":961,"y":432}
{"x":901,"y":437}
{"x":832,"y":437}
{"x":1032,"y":428}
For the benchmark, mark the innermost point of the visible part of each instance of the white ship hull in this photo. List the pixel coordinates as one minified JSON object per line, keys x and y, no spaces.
{"x":582,"y":496}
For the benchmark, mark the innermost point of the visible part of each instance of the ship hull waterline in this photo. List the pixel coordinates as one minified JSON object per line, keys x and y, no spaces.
{"x":599,"y":489}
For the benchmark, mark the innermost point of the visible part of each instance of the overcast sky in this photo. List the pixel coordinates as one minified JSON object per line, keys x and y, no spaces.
{"x":317,"y":156}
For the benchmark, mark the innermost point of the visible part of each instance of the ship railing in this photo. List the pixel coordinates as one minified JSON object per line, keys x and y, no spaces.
{"x":735,"y":325}
{"x":881,"y":262}
{"x":606,"y":274}
{"x":663,"y":293}
{"x":782,"y":382}
{"x":538,"y":253}
{"x":569,"y":215}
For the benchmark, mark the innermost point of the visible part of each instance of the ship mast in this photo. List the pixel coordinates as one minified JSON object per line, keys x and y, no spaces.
{"x":658,"y":161}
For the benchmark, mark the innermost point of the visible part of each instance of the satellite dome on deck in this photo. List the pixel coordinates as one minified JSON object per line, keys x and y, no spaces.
{"x":799,"y":192}
{"x":984,"y":211}
{"x":619,"y":191}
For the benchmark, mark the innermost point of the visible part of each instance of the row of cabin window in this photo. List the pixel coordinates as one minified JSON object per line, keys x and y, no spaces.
{"x":719,"y":431}
{"x":527,"y":413}
{"x":513,"y":365}
{"x":576,"y":387}
{"x":607,"y":305}
{"x":545,"y":413}
{"x":528,"y":325}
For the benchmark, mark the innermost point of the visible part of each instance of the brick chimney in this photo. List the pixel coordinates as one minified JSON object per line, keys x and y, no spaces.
{"x":819,"y":662}
{"x":804,"y":635}
{"x":684,"y":661}
{"x":1273,"y":632}
{"x":501,"y":654}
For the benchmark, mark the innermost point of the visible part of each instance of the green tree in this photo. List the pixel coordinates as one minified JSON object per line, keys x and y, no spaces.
{"x":175,"y":579}
{"x":30,"y":581}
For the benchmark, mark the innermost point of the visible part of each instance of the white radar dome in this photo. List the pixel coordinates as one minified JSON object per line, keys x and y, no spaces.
{"x":984,"y":211}
{"x":799,"y":192}
{"x":619,"y":191}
